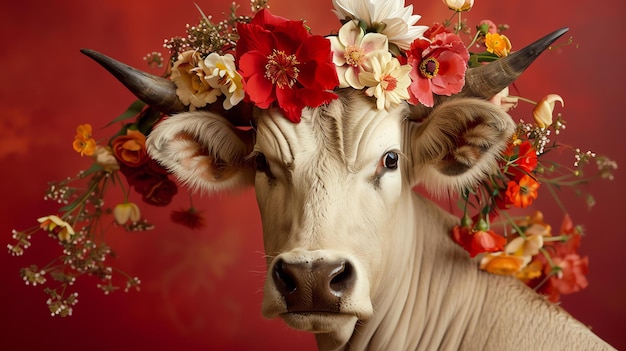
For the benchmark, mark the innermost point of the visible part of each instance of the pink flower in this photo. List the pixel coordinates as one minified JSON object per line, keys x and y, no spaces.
{"x":438,"y":67}
{"x":281,"y":62}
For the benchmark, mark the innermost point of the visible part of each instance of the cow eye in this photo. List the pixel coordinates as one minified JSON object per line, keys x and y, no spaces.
{"x":261,"y":163}
{"x":390,"y":160}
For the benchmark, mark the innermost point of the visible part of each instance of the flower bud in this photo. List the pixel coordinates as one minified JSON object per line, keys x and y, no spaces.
{"x":125,"y":212}
{"x":543,"y":111}
{"x":459,"y":5}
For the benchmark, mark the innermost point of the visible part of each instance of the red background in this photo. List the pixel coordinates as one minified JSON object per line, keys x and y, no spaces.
{"x":202,"y":289}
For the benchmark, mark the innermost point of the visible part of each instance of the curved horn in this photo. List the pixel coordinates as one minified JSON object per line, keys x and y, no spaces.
{"x":155,"y":91}
{"x":487,"y":80}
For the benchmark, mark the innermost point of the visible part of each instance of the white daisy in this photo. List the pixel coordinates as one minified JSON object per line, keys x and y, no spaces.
{"x":387,"y":80}
{"x":398,"y":21}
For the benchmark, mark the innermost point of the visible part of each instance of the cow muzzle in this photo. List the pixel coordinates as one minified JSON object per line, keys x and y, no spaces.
{"x":314,"y":287}
{"x":316,"y":291}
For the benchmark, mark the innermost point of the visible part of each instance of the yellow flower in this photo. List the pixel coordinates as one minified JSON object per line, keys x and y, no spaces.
{"x":543,"y":110}
{"x":56,"y":225}
{"x":498,"y":44}
{"x":125,"y":212}
{"x":459,"y":5}
{"x":83,"y":142}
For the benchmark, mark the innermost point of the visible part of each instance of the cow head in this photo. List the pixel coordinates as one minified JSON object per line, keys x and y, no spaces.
{"x":331,"y":189}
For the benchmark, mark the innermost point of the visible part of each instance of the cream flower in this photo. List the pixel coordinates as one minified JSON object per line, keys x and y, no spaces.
{"x":125,"y":212}
{"x":104,"y":157}
{"x":191,"y":87}
{"x":351,"y":49}
{"x":525,"y":247}
{"x":459,"y":5}
{"x":56,"y":225}
{"x":543,"y":111}
{"x":388,"y":17}
{"x":387,"y":80}
{"x":504,"y":100}
{"x":222,"y":74}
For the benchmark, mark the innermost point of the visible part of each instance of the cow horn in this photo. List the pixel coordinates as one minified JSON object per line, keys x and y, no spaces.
{"x":488,"y":80}
{"x":155,"y":91}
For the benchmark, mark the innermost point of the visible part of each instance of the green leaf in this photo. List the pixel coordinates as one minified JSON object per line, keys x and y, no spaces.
{"x":132,"y":110}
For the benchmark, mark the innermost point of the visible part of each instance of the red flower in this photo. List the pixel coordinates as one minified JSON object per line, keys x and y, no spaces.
{"x":571,"y":273}
{"x":280,"y":61}
{"x":477,"y":241}
{"x":151,"y":182}
{"x":521,"y":194}
{"x":439,"y":66}
{"x":190,"y":218}
{"x":520,"y":159}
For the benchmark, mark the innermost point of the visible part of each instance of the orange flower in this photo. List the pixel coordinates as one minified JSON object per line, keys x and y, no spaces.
{"x":83,"y":142}
{"x":502,"y":263}
{"x":130,"y":149}
{"x":523,"y":193}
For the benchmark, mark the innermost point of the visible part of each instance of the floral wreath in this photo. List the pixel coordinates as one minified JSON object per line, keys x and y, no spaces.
{"x":269,"y":61}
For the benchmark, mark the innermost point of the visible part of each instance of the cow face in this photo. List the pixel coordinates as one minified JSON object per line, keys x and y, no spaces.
{"x":326,"y":188}
{"x":330,"y":189}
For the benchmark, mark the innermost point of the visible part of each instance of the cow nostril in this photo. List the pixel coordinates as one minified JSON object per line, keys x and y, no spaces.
{"x":342,"y":278}
{"x":284,"y":280}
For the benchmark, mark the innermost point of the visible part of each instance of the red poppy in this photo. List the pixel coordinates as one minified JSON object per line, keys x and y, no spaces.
{"x":521,"y":194}
{"x":280,"y":61}
{"x":190,"y":218}
{"x":438,"y":67}
{"x":478,"y":241}
{"x":521,"y":159}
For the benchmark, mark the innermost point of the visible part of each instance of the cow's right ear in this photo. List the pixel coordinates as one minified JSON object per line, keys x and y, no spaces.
{"x":204,"y":151}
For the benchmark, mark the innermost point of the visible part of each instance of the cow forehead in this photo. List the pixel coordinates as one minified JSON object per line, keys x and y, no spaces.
{"x":353,"y":132}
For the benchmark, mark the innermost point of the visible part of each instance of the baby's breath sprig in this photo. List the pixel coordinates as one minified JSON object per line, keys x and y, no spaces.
{"x":207,"y":37}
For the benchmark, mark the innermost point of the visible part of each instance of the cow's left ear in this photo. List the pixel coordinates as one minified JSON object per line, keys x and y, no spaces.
{"x":204,"y":151}
{"x":458,"y":144}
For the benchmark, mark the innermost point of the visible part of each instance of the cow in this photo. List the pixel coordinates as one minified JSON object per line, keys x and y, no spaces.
{"x":354,"y":254}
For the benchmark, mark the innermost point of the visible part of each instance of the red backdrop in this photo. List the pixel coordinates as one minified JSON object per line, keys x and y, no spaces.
{"x":202,"y":289}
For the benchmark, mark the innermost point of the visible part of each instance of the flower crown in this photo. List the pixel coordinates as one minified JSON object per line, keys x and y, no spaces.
{"x":272,"y":62}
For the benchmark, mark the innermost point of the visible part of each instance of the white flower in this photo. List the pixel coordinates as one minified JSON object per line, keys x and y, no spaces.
{"x":459,"y":5}
{"x":351,"y":50}
{"x":397,"y":21}
{"x":222,"y":74}
{"x":387,"y":80}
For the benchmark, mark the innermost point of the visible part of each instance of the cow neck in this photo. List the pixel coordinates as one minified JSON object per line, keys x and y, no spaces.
{"x":426,"y":299}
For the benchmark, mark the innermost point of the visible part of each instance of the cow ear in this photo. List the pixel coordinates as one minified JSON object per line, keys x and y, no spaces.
{"x":204,"y":151}
{"x":458,"y":144}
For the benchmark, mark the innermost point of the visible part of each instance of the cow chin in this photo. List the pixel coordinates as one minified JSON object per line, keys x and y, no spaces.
{"x":315,"y":322}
